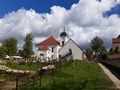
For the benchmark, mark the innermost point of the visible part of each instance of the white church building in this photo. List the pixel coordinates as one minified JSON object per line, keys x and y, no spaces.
{"x":50,"y":49}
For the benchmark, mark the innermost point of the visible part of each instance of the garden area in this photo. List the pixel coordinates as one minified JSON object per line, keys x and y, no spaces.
{"x":72,"y":75}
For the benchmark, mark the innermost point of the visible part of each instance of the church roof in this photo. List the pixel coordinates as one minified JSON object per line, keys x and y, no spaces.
{"x":49,"y":41}
{"x":63,"y":34}
{"x":44,"y":48}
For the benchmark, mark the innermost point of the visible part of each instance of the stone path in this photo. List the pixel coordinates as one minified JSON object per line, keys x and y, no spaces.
{"x":115,"y":80}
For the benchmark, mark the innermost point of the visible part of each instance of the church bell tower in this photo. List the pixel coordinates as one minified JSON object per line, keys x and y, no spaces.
{"x":63,"y":38}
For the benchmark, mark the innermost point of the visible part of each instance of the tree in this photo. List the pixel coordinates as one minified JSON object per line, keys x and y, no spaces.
{"x":97,"y":47}
{"x":28,"y":45}
{"x":2,"y":52}
{"x":111,"y":51}
{"x":11,"y":46}
{"x":103,"y":53}
{"x":89,"y":53}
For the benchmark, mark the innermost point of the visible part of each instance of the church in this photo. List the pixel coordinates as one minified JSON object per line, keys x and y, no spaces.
{"x":66,"y":48}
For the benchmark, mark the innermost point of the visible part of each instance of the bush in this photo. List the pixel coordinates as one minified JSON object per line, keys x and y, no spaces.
{"x":21,"y":62}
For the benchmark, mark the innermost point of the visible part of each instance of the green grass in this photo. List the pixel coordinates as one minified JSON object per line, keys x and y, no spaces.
{"x":75,"y":76}
{"x":22,"y":65}
{"x":33,"y":67}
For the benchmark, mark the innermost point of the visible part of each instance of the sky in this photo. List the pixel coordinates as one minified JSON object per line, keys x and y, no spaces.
{"x":82,"y":19}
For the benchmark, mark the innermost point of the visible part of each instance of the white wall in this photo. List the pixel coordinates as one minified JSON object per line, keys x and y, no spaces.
{"x":64,"y":38}
{"x":48,"y":53}
{"x":76,"y":51}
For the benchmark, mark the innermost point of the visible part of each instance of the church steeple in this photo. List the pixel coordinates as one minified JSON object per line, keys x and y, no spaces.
{"x":63,"y":34}
{"x":64,"y":28}
{"x":63,"y":38}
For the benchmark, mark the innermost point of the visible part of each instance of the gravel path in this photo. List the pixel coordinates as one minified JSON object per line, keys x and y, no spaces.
{"x":115,"y":80}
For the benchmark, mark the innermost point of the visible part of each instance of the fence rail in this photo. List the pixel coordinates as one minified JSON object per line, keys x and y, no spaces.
{"x":35,"y":78}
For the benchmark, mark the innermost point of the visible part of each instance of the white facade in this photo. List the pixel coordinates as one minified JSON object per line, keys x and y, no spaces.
{"x":77,"y":53}
{"x":63,"y":40}
{"x":50,"y":54}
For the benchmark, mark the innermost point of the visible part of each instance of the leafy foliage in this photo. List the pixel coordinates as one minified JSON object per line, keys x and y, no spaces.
{"x":89,"y":53}
{"x":27,"y":47}
{"x":111,"y":51}
{"x":98,"y":48}
{"x":2,"y":52}
{"x":103,"y":53}
{"x":11,"y":46}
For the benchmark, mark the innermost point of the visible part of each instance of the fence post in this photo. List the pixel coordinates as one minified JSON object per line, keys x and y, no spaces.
{"x":40,"y":80}
{"x":52,"y":74}
{"x":16,"y":82}
{"x":60,"y":65}
{"x":34,"y":82}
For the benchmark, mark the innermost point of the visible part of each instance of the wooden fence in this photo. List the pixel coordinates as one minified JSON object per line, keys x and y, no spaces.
{"x":28,"y":80}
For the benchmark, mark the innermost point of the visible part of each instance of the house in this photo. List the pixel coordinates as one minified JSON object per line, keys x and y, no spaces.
{"x":47,"y":49}
{"x":50,"y":48}
{"x":116,"y":43}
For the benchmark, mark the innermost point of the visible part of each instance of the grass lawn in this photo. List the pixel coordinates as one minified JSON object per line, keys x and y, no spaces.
{"x":25,"y":66}
{"x":33,"y":67}
{"x":79,"y":76}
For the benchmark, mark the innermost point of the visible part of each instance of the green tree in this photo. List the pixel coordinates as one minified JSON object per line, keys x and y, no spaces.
{"x":11,"y":46}
{"x":111,"y":51}
{"x":97,"y":47}
{"x":89,"y":53}
{"x":28,"y":45}
{"x":103,"y":53}
{"x":2,"y":52}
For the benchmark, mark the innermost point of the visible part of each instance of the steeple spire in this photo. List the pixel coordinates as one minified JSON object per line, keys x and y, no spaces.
{"x":64,"y":28}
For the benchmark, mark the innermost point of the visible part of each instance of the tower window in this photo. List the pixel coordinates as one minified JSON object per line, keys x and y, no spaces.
{"x":62,"y":42}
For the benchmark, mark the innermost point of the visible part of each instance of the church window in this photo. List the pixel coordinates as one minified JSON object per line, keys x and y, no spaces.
{"x":62,"y":42}
{"x":52,"y":49}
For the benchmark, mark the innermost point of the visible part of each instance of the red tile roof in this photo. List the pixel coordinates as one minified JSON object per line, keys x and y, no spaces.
{"x":116,"y":40}
{"x":49,"y":41}
{"x":44,"y":48}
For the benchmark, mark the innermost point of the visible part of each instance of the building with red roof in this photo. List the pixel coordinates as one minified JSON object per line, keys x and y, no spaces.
{"x":50,"y":49}
{"x":47,"y":49}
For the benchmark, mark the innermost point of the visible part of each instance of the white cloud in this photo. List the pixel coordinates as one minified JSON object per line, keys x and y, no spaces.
{"x":83,"y":21}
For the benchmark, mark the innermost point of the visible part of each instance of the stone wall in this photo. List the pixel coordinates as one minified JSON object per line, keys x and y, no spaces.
{"x":113,"y":62}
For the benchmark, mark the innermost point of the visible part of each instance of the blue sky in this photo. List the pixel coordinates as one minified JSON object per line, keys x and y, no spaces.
{"x":40,"y":6}
{"x":114,"y":10}
{"x":83,"y":19}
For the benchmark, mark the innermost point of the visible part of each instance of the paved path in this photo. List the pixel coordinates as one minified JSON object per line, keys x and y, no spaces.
{"x":115,"y":80}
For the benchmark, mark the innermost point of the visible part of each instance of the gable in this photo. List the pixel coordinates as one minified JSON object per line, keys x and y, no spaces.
{"x":69,"y":43}
{"x":76,"y":50}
